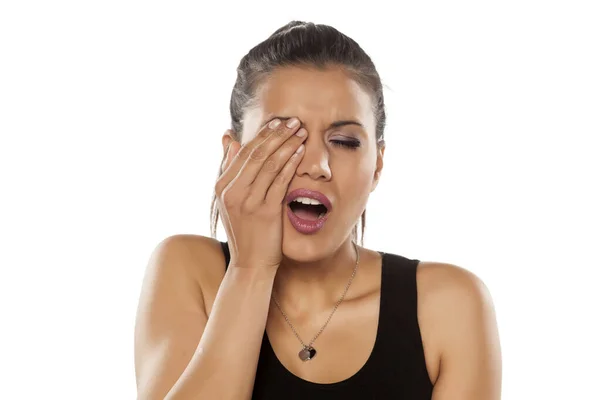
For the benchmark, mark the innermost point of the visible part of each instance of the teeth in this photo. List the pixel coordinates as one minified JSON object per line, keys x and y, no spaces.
{"x":306,"y":200}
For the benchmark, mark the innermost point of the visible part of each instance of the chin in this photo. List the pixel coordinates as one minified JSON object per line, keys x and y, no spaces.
{"x":301,"y":247}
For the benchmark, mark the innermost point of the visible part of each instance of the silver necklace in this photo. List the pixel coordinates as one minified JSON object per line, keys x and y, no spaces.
{"x":308,"y":352}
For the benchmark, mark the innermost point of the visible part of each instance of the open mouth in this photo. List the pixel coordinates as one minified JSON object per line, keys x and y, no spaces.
{"x":308,"y":209}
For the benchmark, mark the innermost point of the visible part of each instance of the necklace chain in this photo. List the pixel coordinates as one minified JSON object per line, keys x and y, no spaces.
{"x":309,"y":345}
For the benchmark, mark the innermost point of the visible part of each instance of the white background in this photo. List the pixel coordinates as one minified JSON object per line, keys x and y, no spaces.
{"x":111,"y":116}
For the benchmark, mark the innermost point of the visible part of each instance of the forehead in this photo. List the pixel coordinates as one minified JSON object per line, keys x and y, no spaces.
{"x":317,"y":97}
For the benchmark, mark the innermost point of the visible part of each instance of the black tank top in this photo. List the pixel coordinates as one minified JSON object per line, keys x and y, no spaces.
{"x":396,"y":368}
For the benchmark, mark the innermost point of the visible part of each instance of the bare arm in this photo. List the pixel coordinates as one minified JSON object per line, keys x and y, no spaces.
{"x":180,"y":353}
{"x":471,"y":363}
{"x":183,"y":353}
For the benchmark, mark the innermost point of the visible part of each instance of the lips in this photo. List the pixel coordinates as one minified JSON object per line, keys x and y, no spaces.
{"x":307,"y":226}
{"x":311,"y":194}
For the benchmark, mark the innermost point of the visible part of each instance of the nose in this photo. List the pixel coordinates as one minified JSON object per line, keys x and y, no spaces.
{"x":315,"y":163}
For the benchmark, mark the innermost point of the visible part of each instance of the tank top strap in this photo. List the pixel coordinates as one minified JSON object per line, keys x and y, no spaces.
{"x":399,"y":332}
{"x":398,"y":291}
{"x":225,"y":247}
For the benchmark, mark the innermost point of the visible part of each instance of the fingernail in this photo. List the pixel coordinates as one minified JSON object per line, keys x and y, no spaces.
{"x":292,"y":123}
{"x":299,"y":150}
{"x":301,"y":132}
{"x":274,"y":124}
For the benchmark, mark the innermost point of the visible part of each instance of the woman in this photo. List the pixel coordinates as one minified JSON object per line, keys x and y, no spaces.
{"x":290,"y":306}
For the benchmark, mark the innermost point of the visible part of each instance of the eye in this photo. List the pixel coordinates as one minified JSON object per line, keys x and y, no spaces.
{"x":349,"y":144}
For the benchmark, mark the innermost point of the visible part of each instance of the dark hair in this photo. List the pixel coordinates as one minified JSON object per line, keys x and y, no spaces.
{"x":302,"y":44}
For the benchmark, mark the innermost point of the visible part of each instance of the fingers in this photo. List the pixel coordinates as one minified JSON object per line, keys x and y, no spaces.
{"x":279,"y":185}
{"x":232,"y":150}
{"x":256,"y":157}
{"x":249,"y":158}
{"x":227,"y":175}
{"x":277,"y":167}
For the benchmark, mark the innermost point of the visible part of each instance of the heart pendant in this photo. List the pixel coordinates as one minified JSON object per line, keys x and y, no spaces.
{"x":307,"y":353}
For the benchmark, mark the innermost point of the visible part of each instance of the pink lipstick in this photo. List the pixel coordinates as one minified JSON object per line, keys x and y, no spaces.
{"x":307,"y":210}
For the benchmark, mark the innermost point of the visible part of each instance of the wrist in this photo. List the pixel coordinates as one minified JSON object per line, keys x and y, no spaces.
{"x":251,"y":273}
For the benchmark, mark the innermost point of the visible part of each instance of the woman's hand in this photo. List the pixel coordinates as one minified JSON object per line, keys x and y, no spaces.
{"x":251,"y":190}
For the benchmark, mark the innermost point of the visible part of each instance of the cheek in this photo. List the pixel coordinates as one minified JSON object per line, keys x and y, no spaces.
{"x":355,"y":185}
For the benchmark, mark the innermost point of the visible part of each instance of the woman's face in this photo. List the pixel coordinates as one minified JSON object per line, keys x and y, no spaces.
{"x":341,"y":162}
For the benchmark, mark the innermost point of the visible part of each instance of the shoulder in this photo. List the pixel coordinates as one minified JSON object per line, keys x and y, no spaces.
{"x":173,"y":295}
{"x":443,"y":282}
{"x":186,"y":245}
{"x":187,"y":259}
{"x":457,"y":315}
{"x":181,"y":250}
{"x":453,"y":295}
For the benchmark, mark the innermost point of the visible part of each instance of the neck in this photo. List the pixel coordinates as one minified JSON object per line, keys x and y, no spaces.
{"x":306,"y":287}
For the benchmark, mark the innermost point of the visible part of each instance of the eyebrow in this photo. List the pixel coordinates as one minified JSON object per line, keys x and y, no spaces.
{"x":335,"y":124}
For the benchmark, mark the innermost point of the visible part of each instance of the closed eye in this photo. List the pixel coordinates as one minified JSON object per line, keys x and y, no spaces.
{"x":349,"y":144}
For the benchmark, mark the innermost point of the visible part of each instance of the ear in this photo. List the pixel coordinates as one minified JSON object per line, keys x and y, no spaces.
{"x":379,"y":166}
